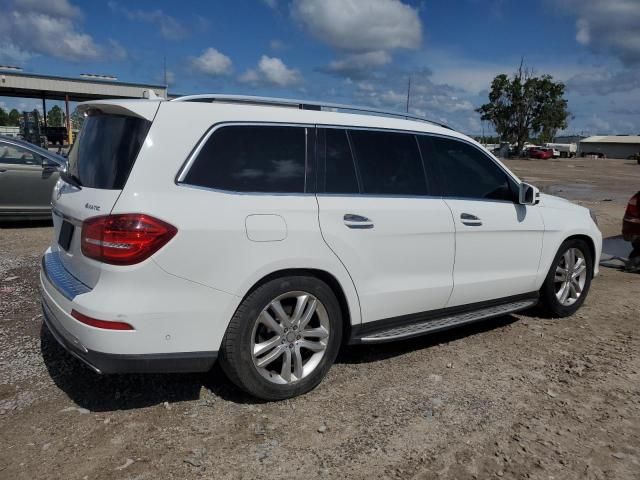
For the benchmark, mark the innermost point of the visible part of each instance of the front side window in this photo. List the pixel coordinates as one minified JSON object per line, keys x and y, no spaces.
{"x":14,"y":155}
{"x":464,"y":171}
{"x":247,"y":158}
{"x":389,"y":163}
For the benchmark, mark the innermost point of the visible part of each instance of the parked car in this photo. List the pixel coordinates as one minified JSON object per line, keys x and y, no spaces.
{"x":266,"y":237}
{"x":631,"y":221}
{"x":541,"y":153}
{"x":27,"y":176}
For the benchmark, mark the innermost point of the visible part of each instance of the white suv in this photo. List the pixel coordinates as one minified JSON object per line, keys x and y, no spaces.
{"x":266,"y":233}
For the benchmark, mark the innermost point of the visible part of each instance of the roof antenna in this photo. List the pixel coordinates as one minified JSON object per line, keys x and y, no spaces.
{"x":164,"y":65}
{"x":408,"y":93}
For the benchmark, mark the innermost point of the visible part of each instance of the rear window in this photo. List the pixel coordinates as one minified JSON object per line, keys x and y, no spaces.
{"x":106,"y":149}
{"x":247,"y":158}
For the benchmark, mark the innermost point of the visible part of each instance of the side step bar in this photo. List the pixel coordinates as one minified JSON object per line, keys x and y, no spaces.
{"x":447,"y":319}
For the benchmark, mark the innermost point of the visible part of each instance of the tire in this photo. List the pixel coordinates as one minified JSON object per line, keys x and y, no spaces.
{"x":253,"y":327}
{"x":549,"y":301}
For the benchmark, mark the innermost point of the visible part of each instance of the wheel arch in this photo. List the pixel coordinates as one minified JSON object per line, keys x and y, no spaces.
{"x":588,"y":240}
{"x":327,"y":278}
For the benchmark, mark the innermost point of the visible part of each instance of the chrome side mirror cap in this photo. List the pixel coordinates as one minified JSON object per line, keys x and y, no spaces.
{"x":528,"y":194}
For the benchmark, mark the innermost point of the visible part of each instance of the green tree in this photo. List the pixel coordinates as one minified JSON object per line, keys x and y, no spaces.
{"x":55,"y":117}
{"x":525,"y":106}
{"x":4,"y":118}
{"x":77,"y":119}
{"x":14,"y":117}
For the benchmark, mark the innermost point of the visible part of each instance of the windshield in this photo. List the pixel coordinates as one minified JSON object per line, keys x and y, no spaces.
{"x":106,"y":149}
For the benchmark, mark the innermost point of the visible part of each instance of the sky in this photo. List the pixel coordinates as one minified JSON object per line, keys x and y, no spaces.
{"x":348,"y":51}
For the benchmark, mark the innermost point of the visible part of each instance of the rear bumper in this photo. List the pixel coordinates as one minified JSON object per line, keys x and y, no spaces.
{"x":174,"y":320}
{"x":101,"y":362}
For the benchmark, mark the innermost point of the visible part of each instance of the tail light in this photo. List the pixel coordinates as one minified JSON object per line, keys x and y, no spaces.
{"x":124,"y":239}
{"x":633,"y":209}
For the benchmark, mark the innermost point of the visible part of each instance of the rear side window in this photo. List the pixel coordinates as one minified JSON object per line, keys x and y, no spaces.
{"x":252,"y":159}
{"x":464,"y":171}
{"x":106,"y":149}
{"x":389,"y":163}
{"x":340,"y":171}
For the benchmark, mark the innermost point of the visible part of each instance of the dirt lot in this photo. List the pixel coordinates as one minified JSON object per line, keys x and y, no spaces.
{"x":515,"y":397}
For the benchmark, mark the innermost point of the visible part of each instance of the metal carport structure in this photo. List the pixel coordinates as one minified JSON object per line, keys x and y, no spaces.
{"x":69,"y":89}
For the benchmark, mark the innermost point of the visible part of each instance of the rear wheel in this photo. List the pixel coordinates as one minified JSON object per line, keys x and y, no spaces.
{"x":283,"y":338}
{"x":569,"y":278}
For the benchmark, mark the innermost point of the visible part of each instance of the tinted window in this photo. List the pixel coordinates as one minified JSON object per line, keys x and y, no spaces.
{"x":252,"y":159}
{"x":106,"y":150}
{"x":340,"y":172}
{"x":389,"y":163}
{"x":14,"y":155}
{"x":464,"y":171}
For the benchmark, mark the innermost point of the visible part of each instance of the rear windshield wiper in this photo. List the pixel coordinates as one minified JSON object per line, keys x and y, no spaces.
{"x":71,"y":179}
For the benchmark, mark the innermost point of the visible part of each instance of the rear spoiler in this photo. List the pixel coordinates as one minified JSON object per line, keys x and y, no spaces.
{"x":145,"y":109}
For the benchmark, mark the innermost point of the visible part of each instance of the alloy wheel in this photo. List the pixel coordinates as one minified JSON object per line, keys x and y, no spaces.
{"x":290,"y":337}
{"x":570,"y":277}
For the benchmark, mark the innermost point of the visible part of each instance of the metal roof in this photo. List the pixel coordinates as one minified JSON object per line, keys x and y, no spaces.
{"x":612,"y":139}
{"x":32,"y":85}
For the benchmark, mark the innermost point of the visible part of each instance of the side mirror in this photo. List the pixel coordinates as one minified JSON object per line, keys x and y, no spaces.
{"x":528,"y":194}
{"x":50,"y":164}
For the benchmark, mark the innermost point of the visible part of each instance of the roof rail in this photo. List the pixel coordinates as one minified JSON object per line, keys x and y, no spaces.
{"x":300,"y":104}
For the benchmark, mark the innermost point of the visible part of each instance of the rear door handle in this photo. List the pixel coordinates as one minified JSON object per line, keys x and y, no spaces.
{"x":357,"y":221}
{"x":470,"y":220}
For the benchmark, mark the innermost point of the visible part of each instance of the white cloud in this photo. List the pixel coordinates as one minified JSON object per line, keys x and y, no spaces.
{"x":604,"y":82}
{"x":30,"y":27}
{"x":609,"y":26}
{"x":116,"y":50}
{"x":169,"y":27}
{"x":358,"y":64}
{"x":360,"y":26}
{"x":13,"y":55}
{"x":54,"y":8}
{"x":212,"y":62}
{"x":272,"y":71}
{"x":277,"y":45}
{"x":583,"y":35}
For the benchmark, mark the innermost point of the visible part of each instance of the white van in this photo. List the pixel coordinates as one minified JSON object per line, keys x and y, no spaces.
{"x":267,"y":233}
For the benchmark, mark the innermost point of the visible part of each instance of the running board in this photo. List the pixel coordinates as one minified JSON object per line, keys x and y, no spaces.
{"x":436,"y":324}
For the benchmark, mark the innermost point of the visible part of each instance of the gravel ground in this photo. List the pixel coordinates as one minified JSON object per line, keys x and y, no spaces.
{"x":514,"y":397}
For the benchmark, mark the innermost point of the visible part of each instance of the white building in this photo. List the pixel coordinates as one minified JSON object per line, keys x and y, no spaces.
{"x":611,"y":146}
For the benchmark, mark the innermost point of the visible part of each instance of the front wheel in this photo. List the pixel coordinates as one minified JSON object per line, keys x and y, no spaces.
{"x":567,"y":283}
{"x":283,"y":338}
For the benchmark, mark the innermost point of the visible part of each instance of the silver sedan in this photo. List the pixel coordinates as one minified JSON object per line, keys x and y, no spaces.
{"x":27,"y":176}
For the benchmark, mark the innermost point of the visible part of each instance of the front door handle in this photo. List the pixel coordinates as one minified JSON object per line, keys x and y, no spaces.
{"x":470,"y":220}
{"x":352,"y":220}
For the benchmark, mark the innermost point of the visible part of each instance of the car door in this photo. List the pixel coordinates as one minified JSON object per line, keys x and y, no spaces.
{"x":25,"y":184}
{"x":396,"y":241}
{"x":498,"y":241}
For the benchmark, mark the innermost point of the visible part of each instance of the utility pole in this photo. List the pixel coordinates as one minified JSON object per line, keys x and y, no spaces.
{"x":408,"y":93}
